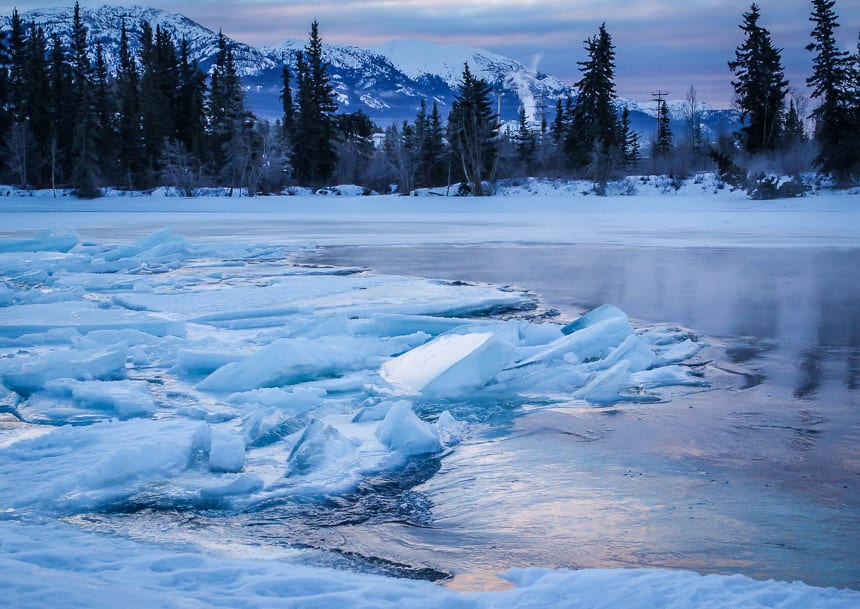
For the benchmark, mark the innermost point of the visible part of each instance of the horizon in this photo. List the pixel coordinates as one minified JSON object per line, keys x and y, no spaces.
{"x":657,"y":45}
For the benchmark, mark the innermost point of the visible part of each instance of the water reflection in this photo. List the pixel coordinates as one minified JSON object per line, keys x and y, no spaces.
{"x":758,"y":474}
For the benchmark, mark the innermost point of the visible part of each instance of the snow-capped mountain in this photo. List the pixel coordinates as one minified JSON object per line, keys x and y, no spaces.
{"x":104,"y":25}
{"x":387,"y":82}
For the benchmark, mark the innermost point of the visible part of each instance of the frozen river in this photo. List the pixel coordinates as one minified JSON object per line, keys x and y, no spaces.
{"x":758,"y":473}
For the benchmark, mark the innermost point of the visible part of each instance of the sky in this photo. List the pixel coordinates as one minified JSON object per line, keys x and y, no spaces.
{"x":659,"y":44}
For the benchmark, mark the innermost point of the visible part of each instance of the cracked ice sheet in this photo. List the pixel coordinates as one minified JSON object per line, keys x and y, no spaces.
{"x":310,"y":434}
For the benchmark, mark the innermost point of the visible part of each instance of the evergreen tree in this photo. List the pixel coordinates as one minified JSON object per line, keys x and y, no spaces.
{"x":5,"y":116}
{"x":631,"y":152}
{"x":525,"y":142}
{"x":227,"y":114}
{"x":313,"y":154}
{"x":473,"y":131}
{"x":433,"y":154}
{"x":287,"y":103}
{"x":190,"y":103}
{"x":104,"y":101}
{"x":85,"y":161}
{"x":129,"y":154}
{"x":760,"y":87}
{"x":62,"y":113}
{"x":159,"y":86}
{"x":836,"y":135}
{"x":593,"y":139}
{"x":663,"y":143}
{"x":794,"y":134}
{"x":16,"y":41}
{"x":355,"y":146}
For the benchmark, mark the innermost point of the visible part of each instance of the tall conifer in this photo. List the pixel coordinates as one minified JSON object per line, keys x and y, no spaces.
{"x":760,"y":87}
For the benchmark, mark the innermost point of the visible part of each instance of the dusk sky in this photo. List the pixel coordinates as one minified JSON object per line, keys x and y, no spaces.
{"x":659,"y":44}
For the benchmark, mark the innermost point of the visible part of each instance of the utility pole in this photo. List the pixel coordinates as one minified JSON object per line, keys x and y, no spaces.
{"x":499,"y":93}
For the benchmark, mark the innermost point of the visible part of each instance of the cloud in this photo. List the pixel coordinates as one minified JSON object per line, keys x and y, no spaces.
{"x":668,"y":43}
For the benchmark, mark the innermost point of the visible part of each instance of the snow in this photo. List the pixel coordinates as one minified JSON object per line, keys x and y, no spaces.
{"x":43,"y":564}
{"x":186,"y":372}
{"x":448,"y":364}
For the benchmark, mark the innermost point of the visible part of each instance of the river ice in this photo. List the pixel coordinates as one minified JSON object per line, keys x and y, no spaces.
{"x":217,"y":377}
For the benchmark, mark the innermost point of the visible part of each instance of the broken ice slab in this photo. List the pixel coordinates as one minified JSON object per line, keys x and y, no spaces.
{"x":596,"y":315}
{"x":69,"y":401}
{"x":592,"y":342}
{"x":226,"y":451}
{"x":26,"y":375}
{"x":290,"y":361}
{"x":42,"y":241}
{"x":448,"y":364}
{"x":320,"y":446}
{"x":84,"y":317}
{"x":403,"y":431}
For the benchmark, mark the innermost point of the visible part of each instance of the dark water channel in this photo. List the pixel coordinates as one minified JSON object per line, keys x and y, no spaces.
{"x":759,"y":474}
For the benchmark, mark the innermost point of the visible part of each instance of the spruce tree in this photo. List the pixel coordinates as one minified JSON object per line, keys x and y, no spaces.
{"x":525,"y":142}
{"x":760,"y":87}
{"x":288,"y":122}
{"x":226,"y":111}
{"x":663,"y":143}
{"x":473,"y":131}
{"x":190,"y":103}
{"x":836,"y":135}
{"x":105,"y":110}
{"x":5,"y":117}
{"x":631,"y":148}
{"x":593,"y":139}
{"x":313,"y":154}
{"x":85,"y":161}
{"x":433,"y":156}
{"x":62,"y":113}
{"x":129,"y":155}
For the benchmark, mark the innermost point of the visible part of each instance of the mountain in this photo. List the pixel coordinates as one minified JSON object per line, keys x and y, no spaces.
{"x":387,"y":82}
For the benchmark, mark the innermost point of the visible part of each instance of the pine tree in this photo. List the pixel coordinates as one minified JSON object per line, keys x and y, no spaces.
{"x":313,"y":154}
{"x":663,"y":143}
{"x":434,"y":156}
{"x":355,"y":146}
{"x":159,"y":86}
{"x":62,"y":113}
{"x":104,"y":102}
{"x":760,"y":87}
{"x":836,"y":135}
{"x":525,"y":142}
{"x":33,"y":131}
{"x":16,"y":42}
{"x":85,"y":161}
{"x":631,"y":152}
{"x":794,"y":134}
{"x":473,"y":131}
{"x":190,"y":103}
{"x":288,"y":123}
{"x":5,"y":115}
{"x":593,"y":139}
{"x":129,"y":155}
{"x":227,"y":116}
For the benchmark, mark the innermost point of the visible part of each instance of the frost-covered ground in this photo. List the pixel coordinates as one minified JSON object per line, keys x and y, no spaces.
{"x":201,"y":370}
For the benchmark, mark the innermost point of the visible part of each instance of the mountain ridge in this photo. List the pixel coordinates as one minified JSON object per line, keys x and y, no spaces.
{"x":387,"y":82}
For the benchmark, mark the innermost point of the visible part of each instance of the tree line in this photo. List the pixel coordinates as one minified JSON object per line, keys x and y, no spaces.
{"x":156,"y":119}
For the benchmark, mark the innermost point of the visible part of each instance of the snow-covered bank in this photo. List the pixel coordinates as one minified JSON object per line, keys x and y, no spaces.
{"x":54,"y":565}
{"x":541,"y":213}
